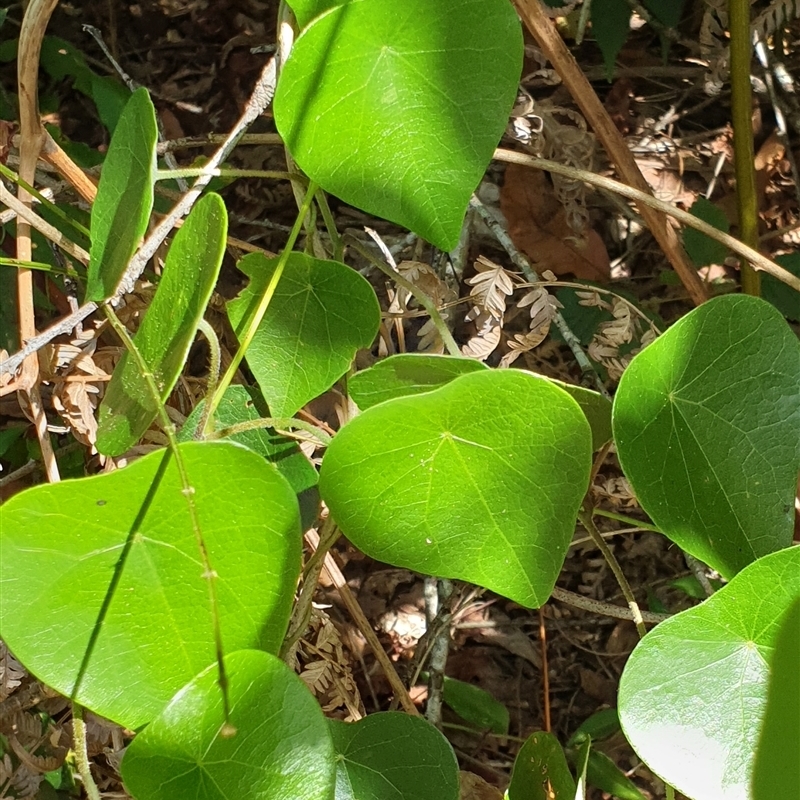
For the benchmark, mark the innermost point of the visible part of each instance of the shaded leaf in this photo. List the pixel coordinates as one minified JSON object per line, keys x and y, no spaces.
{"x":476,"y":705}
{"x":702,"y":249}
{"x":392,"y":756}
{"x":541,"y":771}
{"x":282,"y":749}
{"x":406,"y":374}
{"x":777,"y":767}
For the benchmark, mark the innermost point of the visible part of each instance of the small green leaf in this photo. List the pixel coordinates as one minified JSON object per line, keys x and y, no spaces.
{"x":604,"y":774}
{"x":693,"y":694}
{"x":476,"y":705}
{"x":168,"y":328}
{"x":282,"y":749}
{"x":595,"y":407}
{"x":244,"y":404}
{"x":541,"y":771}
{"x":611,"y":22}
{"x":392,"y":756}
{"x":702,"y":249}
{"x":479,"y":480}
{"x":321,"y":314}
{"x":124,"y":196}
{"x":783,"y":297}
{"x":691,"y":587}
{"x":60,"y":545}
{"x":407,"y":374}
{"x":707,"y":426}
{"x":777,"y":768}
{"x":397,"y":108}
{"x":600,"y":725}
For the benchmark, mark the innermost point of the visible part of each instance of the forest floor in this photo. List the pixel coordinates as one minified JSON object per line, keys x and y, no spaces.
{"x":196,"y":59}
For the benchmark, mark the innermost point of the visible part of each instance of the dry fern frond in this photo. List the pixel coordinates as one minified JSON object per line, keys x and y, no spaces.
{"x":487,"y":336}
{"x":490,"y":287}
{"x":542,"y":307}
{"x":772,"y":17}
{"x":11,"y":672}
{"x":326,"y":670}
{"x":17,"y":782}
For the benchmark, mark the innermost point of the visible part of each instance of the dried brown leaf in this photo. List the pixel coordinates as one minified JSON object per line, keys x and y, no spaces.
{"x":539,"y":226}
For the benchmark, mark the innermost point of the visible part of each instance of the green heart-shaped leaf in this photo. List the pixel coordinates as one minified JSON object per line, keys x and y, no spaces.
{"x":321,"y":313}
{"x":62,"y":544}
{"x":392,"y":756}
{"x":168,"y":328}
{"x":707,"y":426}
{"x":397,"y":108}
{"x":693,"y":693}
{"x":479,"y":480}
{"x":124,"y":196}
{"x":282,"y":749}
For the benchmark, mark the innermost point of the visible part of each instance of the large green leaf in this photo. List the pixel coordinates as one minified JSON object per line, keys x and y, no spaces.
{"x":392,"y":756}
{"x":406,"y":374}
{"x":168,"y":328}
{"x":397,"y":107}
{"x":282,"y":749}
{"x":541,"y":771}
{"x":693,"y":694}
{"x":321,"y":314}
{"x":61,"y":545}
{"x":124,"y":196}
{"x":777,"y":767}
{"x":707,"y":426}
{"x":479,"y":480}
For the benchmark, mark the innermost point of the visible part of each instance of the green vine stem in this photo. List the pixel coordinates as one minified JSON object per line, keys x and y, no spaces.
{"x":743,"y":151}
{"x":585,"y":516}
{"x":228,"y":172}
{"x":416,"y":293}
{"x":82,"y":752}
{"x":187,"y":490}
